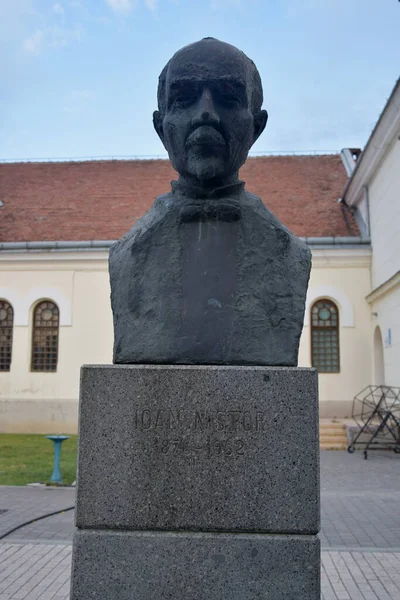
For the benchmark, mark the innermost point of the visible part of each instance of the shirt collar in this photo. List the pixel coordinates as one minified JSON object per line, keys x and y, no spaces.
{"x":233,"y":190}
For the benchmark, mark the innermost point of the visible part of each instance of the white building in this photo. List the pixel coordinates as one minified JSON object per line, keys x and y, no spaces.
{"x":57,"y":221}
{"x":373,"y":191}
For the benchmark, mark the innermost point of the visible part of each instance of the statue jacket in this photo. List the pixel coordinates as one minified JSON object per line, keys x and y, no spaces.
{"x":216,"y":280}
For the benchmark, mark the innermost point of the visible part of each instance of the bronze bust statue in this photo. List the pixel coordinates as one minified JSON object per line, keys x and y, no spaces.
{"x":209,"y":275}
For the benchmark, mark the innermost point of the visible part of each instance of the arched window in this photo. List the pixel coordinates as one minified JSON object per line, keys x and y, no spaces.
{"x":325,"y":337}
{"x":45,"y":337}
{"x":6,"y":332}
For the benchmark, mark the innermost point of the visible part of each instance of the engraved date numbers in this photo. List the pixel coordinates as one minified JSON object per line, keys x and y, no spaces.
{"x":210,"y":447}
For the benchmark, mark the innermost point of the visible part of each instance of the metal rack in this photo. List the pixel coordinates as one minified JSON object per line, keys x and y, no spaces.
{"x":376,"y":411}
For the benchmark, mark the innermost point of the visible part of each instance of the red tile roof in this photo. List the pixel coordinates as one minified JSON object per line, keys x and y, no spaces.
{"x":101,"y":200}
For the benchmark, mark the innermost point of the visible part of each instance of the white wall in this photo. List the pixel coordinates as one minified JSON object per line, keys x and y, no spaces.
{"x":78,"y":282}
{"x":47,"y":402}
{"x":387,"y":310}
{"x":384,"y":201}
{"x":344,"y":277}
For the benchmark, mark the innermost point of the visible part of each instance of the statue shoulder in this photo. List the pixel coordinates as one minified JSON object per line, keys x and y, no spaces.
{"x":144,"y":227}
{"x":291,"y":244}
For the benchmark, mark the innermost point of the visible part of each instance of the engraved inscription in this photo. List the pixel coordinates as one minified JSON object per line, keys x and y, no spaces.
{"x":224,"y":433}
{"x":208,"y":447}
{"x":230,"y":421}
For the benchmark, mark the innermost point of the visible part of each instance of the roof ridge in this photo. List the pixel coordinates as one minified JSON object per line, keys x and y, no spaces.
{"x":150,"y":158}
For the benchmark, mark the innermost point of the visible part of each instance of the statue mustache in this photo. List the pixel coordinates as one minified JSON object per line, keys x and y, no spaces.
{"x":205,"y":133}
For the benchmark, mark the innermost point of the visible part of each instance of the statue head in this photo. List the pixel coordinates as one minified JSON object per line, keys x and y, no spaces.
{"x":209,"y":111}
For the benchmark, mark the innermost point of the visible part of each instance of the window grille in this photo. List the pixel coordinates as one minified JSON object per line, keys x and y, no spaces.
{"x":325,"y":337}
{"x":45,"y":337}
{"x":6,"y":332}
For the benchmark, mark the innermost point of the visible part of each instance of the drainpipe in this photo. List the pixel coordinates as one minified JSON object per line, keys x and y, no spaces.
{"x":101,"y":245}
{"x":366,"y":198}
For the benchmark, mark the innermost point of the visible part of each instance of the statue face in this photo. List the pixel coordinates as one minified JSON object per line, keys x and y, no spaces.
{"x":208,"y":126}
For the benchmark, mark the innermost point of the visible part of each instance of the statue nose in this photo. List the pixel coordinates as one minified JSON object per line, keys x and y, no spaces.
{"x":206,"y":112}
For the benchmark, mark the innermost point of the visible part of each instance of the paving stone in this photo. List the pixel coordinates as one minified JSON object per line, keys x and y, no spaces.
{"x":358,"y":513}
{"x":343,"y":573}
{"x":22,"y":504}
{"x":359,"y":498}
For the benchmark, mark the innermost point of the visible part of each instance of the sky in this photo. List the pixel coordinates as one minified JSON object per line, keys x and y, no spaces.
{"x":78,"y":78}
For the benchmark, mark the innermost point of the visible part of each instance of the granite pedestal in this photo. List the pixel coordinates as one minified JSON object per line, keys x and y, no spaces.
{"x":197,"y":482}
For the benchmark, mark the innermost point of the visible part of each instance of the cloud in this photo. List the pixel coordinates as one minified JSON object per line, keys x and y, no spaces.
{"x":33,"y":44}
{"x":102,"y":20}
{"x":52,"y":37}
{"x":151,"y":5}
{"x":293,"y":9}
{"x":62,"y":36}
{"x":40,"y":31}
{"x":124,"y":7}
{"x":121,"y":6}
{"x":16,"y":18}
{"x":58,"y":9}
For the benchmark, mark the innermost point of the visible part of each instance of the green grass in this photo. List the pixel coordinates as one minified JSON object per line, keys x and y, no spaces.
{"x":29,"y":459}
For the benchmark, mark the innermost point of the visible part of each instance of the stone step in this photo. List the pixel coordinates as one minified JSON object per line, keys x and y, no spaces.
{"x":332,"y":436}
{"x":333,"y":446}
{"x":333,"y":432}
{"x":333,"y":439}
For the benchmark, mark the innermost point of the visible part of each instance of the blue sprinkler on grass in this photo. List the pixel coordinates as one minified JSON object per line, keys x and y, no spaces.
{"x":57,"y":441}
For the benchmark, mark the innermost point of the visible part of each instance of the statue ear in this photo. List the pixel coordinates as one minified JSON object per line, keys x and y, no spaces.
{"x":157,"y":122}
{"x":260,"y":121}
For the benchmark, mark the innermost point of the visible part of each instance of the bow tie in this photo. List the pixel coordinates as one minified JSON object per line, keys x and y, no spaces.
{"x":228,"y":210}
{"x":183,"y":189}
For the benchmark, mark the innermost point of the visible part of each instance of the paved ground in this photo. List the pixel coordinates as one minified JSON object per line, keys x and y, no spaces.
{"x":42,"y":571}
{"x":360,"y":533}
{"x":34,"y":571}
{"x":360,"y":500}
{"x":21,"y":504}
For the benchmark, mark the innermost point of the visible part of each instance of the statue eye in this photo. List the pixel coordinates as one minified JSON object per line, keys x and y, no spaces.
{"x":184,"y":100}
{"x":230,"y":100}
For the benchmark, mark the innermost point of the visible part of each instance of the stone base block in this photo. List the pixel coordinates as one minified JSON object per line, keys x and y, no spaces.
{"x":194,"y":566}
{"x":198,"y":448}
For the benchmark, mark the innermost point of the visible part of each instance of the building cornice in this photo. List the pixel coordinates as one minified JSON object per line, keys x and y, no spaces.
{"x":65,"y":261}
{"x":95,"y":258}
{"x":101,"y":245}
{"x":381,"y":138}
{"x":341,"y":257}
{"x":384,"y":288}
{"x":57,"y":246}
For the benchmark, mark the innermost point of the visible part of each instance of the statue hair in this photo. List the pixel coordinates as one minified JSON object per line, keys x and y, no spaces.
{"x":254,"y":80}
